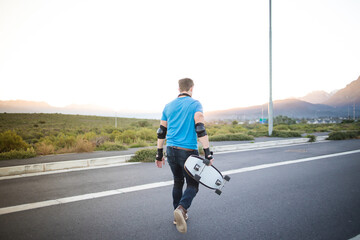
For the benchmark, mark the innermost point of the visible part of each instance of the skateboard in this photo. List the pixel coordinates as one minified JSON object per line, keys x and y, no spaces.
{"x":209,"y":176}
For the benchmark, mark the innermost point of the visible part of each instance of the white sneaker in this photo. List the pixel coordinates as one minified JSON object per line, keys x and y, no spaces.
{"x":180,"y":219}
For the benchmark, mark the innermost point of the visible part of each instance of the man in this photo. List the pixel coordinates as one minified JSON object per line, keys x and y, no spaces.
{"x":182,"y":123}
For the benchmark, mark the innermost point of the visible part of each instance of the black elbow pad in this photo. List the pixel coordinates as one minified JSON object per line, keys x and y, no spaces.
{"x":200,"y":130}
{"x":161,"y":132}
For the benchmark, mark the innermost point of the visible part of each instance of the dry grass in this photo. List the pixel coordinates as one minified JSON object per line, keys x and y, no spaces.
{"x":44,"y":148}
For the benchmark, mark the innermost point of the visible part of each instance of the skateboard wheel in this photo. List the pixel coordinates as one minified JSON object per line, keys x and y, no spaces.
{"x":197,"y":177}
{"x":206,"y":162}
{"x":218,"y":192}
{"x":227,"y":178}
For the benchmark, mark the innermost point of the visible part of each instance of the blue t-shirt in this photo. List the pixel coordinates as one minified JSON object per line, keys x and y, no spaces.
{"x":179,"y":115}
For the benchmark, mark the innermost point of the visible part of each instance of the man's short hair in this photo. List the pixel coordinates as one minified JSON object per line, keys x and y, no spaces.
{"x":185,"y":84}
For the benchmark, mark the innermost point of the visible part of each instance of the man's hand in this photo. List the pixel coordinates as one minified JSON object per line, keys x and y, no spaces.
{"x":211,"y":162}
{"x":209,"y":155}
{"x":159,"y":164}
{"x":160,"y":160}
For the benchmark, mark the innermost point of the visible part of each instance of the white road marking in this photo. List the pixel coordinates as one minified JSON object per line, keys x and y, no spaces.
{"x":258,"y":167}
{"x":29,"y":206}
{"x":262,"y":148}
{"x":355,"y":238}
{"x":48,"y":203}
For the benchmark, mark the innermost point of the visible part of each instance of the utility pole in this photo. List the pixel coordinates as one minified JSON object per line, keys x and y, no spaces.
{"x":115,"y":120}
{"x":270,"y":111}
{"x":354,"y":111}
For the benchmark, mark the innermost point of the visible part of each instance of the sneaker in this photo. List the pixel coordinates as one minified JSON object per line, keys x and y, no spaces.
{"x":180,"y":219}
{"x":186,"y":218}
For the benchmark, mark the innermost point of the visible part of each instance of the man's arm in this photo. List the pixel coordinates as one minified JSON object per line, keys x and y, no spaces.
{"x":160,"y":147}
{"x":204,"y":140}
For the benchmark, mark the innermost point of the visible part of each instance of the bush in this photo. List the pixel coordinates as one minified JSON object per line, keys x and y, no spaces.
{"x":146,"y":134}
{"x":83,"y":145}
{"x":344,"y":135}
{"x":128,"y":136}
{"x":144,"y":155}
{"x":139,"y":144}
{"x":257,"y":133}
{"x":312,"y":138}
{"x":231,"y":137}
{"x":44,"y":148}
{"x":9,"y":141}
{"x":111,"y":146}
{"x":18,"y":154}
{"x":285,"y":134}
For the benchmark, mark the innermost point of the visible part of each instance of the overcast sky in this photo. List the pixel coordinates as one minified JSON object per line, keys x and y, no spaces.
{"x":129,"y":55}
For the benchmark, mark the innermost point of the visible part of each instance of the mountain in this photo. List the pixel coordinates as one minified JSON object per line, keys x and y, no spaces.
{"x":293,"y":108}
{"x":316,"y":104}
{"x":346,"y":96}
{"x":316,"y":97}
{"x":21,"y":106}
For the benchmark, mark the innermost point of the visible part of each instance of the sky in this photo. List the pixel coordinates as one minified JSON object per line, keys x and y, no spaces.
{"x":129,"y":55}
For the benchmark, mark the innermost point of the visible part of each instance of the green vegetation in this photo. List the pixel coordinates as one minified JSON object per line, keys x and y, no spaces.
{"x":231,"y":137}
{"x":28,"y":135}
{"x":342,"y":135}
{"x":312,"y":138}
{"x":144,"y":155}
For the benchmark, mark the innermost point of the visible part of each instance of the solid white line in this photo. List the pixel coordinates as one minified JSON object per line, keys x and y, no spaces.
{"x":67,"y":170}
{"x":262,"y":148}
{"x":356,"y":237}
{"x":263,"y":166}
{"x":35,"y":205}
{"x":48,"y":203}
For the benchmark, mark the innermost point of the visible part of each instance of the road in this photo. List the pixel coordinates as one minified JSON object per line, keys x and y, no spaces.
{"x":318,"y":198}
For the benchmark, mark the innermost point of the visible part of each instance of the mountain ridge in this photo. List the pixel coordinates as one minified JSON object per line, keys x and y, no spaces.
{"x":317,"y":104}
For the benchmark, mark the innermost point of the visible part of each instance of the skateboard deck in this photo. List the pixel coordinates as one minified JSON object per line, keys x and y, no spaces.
{"x":209,"y":176}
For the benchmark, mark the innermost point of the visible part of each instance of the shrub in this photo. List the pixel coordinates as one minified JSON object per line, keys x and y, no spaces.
{"x":84,"y":145}
{"x":128,"y":136}
{"x":231,"y":137}
{"x":312,"y":138}
{"x":44,"y":148}
{"x":63,"y":141}
{"x":281,"y":127}
{"x":18,"y":154}
{"x":9,"y":140}
{"x":98,"y":141}
{"x":139,"y":144}
{"x":111,"y":146}
{"x":146,"y":134}
{"x":257,"y":133}
{"x":144,"y":155}
{"x":285,"y":134}
{"x":344,"y":135}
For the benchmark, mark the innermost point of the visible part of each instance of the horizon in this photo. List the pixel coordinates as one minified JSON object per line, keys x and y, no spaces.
{"x":118,"y":54}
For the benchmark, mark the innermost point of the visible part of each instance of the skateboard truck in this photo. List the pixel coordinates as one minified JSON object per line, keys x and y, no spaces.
{"x":221,"y":184}
{"x":197,"y":167}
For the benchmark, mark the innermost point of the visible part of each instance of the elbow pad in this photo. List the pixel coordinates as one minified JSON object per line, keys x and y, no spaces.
{"x":161,"y":132}
{"x":200,"y":130}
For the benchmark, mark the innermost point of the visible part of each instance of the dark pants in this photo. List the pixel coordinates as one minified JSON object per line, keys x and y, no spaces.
{"x":176,"y":159}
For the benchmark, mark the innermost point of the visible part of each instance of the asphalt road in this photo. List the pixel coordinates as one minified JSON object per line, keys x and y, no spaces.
{"x":317,"y":199}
